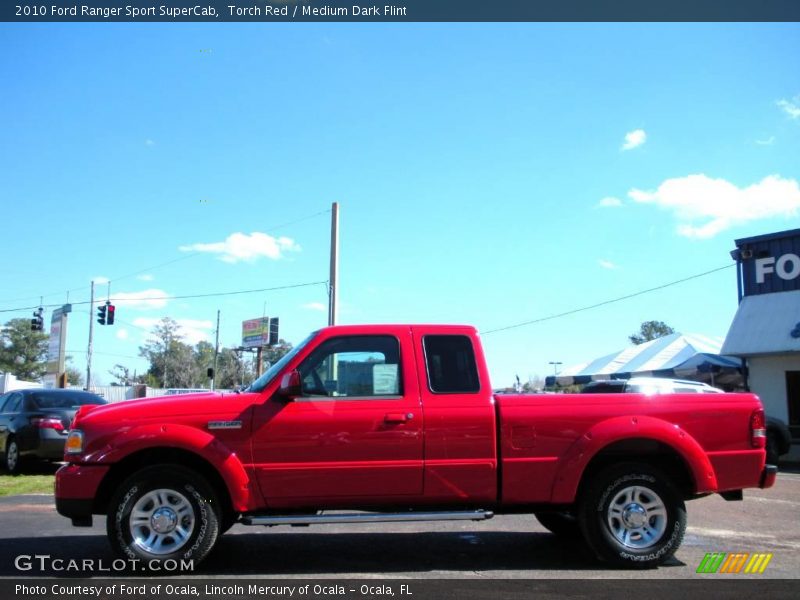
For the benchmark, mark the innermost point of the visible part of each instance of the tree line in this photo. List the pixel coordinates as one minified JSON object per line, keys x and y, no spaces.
{"x":173,"y":363}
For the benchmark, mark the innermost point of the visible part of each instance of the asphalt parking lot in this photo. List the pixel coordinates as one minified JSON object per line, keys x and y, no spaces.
{"x":506,"y":547}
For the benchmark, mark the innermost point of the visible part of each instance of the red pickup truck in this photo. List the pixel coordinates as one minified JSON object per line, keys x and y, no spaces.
{"x":399,"y":423}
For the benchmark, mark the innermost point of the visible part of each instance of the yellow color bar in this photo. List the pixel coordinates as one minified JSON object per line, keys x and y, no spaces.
{"x":758,"y":563}
{"x":767,"y":558}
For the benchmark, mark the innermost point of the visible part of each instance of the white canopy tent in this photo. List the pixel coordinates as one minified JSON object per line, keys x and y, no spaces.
{"x":693,"y":357}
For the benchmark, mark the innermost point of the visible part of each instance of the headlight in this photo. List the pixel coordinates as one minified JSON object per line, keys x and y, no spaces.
{"x":74,"y":443}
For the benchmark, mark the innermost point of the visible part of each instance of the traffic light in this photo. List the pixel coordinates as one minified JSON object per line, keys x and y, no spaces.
{"x":101,"y":314}
{"x":37,"y":322}
{"x":110,"y":313}
{"x":273,"y":331}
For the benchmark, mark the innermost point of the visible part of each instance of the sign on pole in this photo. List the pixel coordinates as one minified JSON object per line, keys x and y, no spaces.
{"x":255,"y":332}
{"x":56,"y":345}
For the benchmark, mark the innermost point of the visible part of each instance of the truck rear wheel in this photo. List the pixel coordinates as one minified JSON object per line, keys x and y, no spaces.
{"x":163,"y":513}
{"x":632,"y":516}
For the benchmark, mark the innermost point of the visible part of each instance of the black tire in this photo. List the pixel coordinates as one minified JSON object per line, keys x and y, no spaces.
{"x":563,"y":524}
{"x":12,"y":461}
{"x":773,"y":452}
{"x":173,"y":498}
{"x":632,"y":516}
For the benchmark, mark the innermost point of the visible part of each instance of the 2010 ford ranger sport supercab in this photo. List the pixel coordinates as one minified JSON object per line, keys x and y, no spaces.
{"x":399,"y":423}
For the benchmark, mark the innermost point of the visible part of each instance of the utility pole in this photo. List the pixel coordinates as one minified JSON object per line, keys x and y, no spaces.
{"x":166,"y":359}
{"x":555,"y":364}
{"x":333,"y":291}
{"x":89,"y":349}
{"x":216,"y":353}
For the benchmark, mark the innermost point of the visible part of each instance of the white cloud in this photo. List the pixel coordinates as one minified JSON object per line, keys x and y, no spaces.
{"x":242,"y":247}
{"x":609,"y":202}
{"x":122,"y":334}
{"x":704,"y":207}
{"x":316,"y":306}
{"x":145,"y":277}
{"x":149,"y":142}
{"x":767,"y":142}
{"x":634,"y":139}
{"x":191,"y":330}
{"x":146,"y":322}
{"x":790,"y":107}
{"x":100,"y":280}
{"x":152,"y":298}
{"x":607,"y":264}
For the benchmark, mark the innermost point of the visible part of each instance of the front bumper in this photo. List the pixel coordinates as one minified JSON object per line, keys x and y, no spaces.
{"x":76,"y":488}
{"x":768,"y":476}
{"x":77,"y":509}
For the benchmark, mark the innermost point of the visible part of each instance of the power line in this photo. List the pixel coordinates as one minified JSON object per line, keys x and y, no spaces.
{"x":164,"y":264}
{"x":182,"y":297}
{"x":606,"y":302}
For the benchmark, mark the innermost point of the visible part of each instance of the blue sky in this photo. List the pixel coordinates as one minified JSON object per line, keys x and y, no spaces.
{"x":488,"y":174}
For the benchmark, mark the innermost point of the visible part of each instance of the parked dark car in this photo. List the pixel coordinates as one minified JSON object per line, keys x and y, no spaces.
{"x":34,"y":423}
{"x":779,"y":439}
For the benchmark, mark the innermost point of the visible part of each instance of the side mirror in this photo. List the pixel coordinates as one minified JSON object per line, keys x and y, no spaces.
{"x":290,"y":385}
{"x":210,"y":373}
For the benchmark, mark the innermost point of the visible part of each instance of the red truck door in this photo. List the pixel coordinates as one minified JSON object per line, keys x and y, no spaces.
{"x":356,"y":431}
{"x":460,"y":421}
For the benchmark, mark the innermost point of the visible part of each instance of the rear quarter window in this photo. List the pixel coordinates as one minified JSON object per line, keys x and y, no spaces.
{"x":450,"y":362}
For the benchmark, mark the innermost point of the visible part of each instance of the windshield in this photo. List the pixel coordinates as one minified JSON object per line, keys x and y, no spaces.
{"x":263,"y":381}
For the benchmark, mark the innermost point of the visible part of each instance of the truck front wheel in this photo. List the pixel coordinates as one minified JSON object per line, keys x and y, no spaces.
{"x":163,"y":513}
{"x":632,"y":516}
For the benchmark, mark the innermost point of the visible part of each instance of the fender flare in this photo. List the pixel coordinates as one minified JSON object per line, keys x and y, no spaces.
{"x":190,"y":439}
{"x":572,"y":465}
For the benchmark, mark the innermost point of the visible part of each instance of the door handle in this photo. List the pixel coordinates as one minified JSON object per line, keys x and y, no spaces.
{"x":397,"y":417}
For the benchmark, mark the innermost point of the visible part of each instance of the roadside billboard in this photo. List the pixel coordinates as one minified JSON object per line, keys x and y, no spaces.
{"x":255,"y":332}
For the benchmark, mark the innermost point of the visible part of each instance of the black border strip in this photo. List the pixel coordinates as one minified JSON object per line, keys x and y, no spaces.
{"x":399,"y":11}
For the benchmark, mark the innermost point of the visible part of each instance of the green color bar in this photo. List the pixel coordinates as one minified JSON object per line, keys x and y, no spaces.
{"x":702,"y":567}
{"x":711,"y":562}
{"x":713,"y":568}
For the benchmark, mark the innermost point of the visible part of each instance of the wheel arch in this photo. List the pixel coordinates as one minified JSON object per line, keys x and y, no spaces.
{"x":643,"y":439}
{"x":166,"y":455}
{"x":646,"y":451}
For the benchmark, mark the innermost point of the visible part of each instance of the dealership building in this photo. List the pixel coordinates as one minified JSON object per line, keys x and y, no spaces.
{"x":766,"y":329}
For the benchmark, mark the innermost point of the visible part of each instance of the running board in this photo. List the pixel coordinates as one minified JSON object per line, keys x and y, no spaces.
{"x":473,"y":515}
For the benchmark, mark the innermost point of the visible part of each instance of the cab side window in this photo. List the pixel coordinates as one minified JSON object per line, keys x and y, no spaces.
{"x":365,"y":366}
{"x":450,"y":360}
